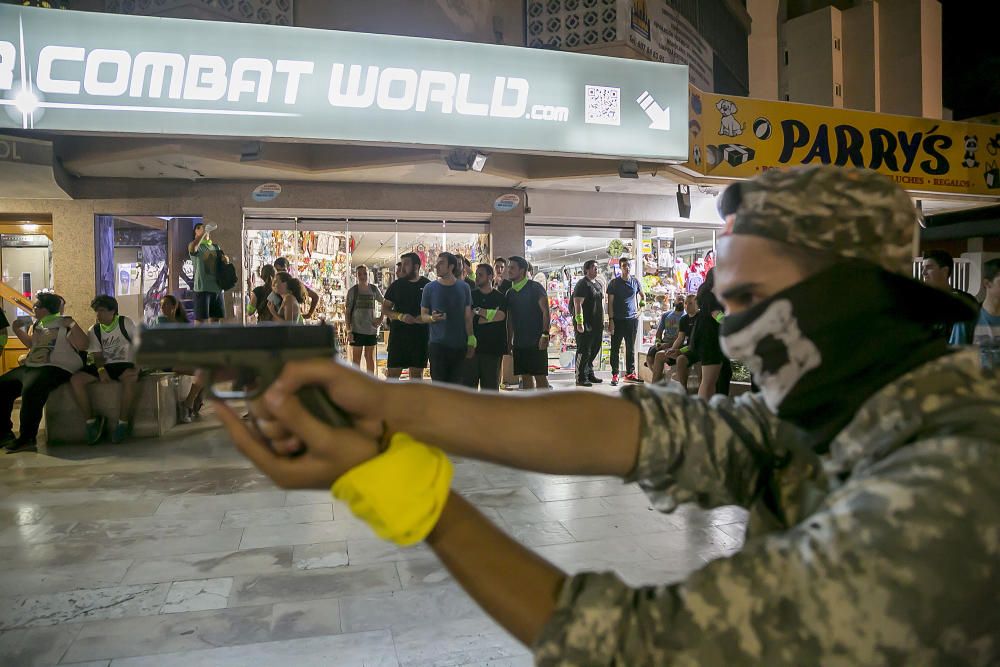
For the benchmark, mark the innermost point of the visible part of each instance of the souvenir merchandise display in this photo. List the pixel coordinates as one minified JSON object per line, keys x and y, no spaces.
{"x":320,"y":260}
{"x":679,"y":271}
{"x":474,"y":247}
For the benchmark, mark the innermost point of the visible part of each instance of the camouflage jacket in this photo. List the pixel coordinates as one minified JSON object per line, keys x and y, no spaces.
{"x":884,"y":552}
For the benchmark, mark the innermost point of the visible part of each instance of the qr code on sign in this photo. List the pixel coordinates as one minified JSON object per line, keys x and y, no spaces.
{"x":604,"y":105}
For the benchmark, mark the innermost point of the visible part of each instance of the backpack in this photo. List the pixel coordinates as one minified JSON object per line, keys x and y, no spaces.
{"x":225,"y":272}
{"x":121,"y":326}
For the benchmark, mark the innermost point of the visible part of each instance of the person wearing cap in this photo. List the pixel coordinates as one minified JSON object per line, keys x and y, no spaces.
{"x":869,"y":462}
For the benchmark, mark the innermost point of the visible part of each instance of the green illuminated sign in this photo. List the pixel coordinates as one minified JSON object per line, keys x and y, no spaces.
{"x":105,"y":73}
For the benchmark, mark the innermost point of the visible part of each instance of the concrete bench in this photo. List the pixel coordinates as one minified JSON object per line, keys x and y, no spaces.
{"x":155,"y":409}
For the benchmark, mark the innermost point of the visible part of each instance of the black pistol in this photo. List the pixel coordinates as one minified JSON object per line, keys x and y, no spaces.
{"x":251,"y":356}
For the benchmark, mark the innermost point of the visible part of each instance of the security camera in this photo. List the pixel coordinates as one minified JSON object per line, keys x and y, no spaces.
{"x":597,"y":188}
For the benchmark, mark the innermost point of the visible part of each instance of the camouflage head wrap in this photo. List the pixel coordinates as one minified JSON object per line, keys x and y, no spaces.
{"x":854,"y":213}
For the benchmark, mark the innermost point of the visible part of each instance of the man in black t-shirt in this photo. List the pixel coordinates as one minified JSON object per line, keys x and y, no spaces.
{"x":588,"y":310}
{"x":489,"y":311}
{"x":408,"y":334}
{"x":528,"y":321}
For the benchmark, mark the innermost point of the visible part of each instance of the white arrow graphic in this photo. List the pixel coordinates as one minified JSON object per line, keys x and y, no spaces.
{"x":656,"y":113}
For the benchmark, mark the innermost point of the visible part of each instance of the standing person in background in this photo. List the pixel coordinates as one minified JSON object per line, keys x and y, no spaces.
{"x":259,"y":296}
{"x":490,"y":328}
{"x":362,"y":323}
{"x":588,"y":315}
{"x":937,"y":270}
{"x":716,"y":369}
{"x":54,"y":344}
{"x":112,"y":346}
{"x":986,"y":334}
{"x":467,"y":272}
{"x":407,"y":332}
{"x":4,"y":326}
{"x":208,"y":302}
{"x":446,"y":305}
{"x":292,"y":294}
{"x":501,"y":282}
{"x":281,"y":264}
{"x":528,"y":321}
{"x":624,"y":302}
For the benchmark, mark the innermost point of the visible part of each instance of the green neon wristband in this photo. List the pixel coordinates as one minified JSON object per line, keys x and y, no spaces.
{"x":251,"y":309}
{"x":472,"y":342}
{"x":685,"y":349}
{"x":579,"y":318}
{"x":721,"y":316}
{"x":490,"y":314}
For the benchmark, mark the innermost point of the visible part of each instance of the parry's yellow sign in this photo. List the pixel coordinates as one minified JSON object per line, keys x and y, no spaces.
{"x":738,"y":137}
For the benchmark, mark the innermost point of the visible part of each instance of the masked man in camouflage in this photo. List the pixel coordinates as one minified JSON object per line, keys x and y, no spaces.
{"x":869,"y":461}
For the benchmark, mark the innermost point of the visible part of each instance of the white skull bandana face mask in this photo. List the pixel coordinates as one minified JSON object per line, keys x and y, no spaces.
{"x":773,"y":347}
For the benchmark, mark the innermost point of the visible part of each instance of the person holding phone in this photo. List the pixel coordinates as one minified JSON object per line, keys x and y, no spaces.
{"x":446,"y":305}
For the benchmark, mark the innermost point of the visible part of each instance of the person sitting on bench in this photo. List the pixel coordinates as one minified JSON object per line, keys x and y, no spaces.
{"x":111,"y":344}
{"x":53,"y":343}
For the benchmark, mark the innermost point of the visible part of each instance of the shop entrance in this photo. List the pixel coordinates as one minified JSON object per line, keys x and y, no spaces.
{"x":325,"y":252}
{"x":26,"y":265}
{"x":675,"y":261}
{"x":139,"y":259}
{"x":557,"y":255}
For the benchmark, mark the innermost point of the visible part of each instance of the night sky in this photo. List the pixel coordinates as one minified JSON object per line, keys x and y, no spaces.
{"x":971,"y":78}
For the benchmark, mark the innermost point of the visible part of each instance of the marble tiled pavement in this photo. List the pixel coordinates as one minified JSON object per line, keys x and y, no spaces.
{"x":177,"y":552}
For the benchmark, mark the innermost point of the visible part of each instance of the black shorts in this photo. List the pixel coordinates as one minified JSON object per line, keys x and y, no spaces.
{"x":114,"y":370}
{"x":363,"y":340}
{"x":530,"y":361}
{"x":408,"y":349}
{"x":208,"y":306}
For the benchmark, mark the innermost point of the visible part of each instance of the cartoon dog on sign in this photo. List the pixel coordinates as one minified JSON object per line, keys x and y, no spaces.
{"x":730,"y":126}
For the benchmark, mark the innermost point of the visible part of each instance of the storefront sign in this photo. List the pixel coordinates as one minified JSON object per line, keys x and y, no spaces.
{"x":505,"y":203}
{"x":93,"y":72}
{"x":658,"y":31}
{"x":737,"y":137}
{"x":266,"y":192}
{"x":27,"y":151}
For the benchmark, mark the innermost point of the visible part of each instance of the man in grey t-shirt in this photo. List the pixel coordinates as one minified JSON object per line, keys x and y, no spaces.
{"x":362,"y":323}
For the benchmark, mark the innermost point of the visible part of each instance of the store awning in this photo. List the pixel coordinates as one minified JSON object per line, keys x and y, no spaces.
{"x":739,"y":137}
{"x":98,"y":73}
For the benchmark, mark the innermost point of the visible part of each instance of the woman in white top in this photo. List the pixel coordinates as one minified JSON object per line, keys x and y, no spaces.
{"x":293,"y":295}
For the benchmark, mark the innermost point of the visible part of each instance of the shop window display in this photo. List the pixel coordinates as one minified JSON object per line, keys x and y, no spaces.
{"x":675,"y":262}
{"x":320,"y":259}
{"x":558,"y":265}
{"x":326,"y":261}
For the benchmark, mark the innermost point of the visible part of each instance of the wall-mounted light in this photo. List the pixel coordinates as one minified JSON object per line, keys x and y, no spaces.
{"x":29,"y":227}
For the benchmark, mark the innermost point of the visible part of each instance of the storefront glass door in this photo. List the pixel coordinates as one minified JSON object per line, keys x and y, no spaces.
{"x":557,"y":256}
